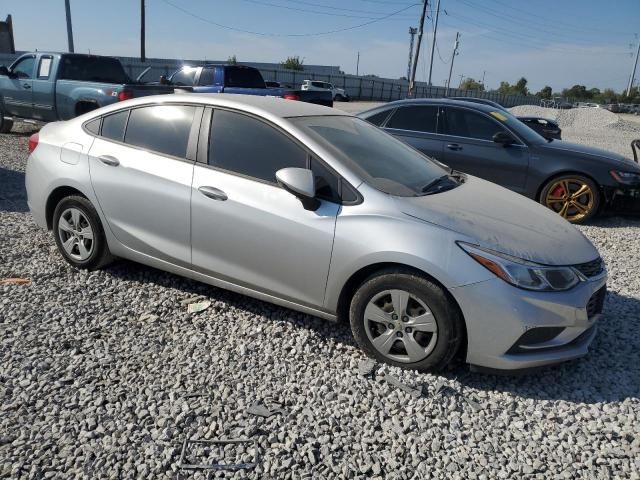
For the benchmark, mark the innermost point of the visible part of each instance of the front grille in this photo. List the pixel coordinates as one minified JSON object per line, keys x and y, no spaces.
{"x":596,"y":302}
{"x":591,"y":269}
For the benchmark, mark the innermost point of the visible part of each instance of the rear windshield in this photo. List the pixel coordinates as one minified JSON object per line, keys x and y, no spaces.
{"x":92,"y":69}
{"x":243,"y":77}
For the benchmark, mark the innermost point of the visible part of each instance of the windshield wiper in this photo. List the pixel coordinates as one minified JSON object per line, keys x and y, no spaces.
{"x":440,"y":184}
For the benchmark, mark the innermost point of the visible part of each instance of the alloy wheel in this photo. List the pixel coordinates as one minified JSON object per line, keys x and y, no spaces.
{"x":571,"y":198}
{"x":400,"y":326}
{"x":76,"y":234}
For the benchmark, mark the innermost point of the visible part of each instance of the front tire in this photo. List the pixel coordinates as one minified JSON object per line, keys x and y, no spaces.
{"x":406,"y":320}
{"x":79,"y":234}
{"x":574,"y":197}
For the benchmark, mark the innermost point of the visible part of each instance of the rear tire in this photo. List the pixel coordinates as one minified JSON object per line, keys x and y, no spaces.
{"x":404,"y":319}
{"x":79,"y":234}
{"x":5,"y":125}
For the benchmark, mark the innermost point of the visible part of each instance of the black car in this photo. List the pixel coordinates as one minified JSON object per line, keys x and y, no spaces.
{"x":574,"y":180}
{"x":547,"y":128}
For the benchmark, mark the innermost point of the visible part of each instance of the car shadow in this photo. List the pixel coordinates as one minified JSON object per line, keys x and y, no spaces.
{"x":13,"y":195}
{"x":132,"y":271}
{"x":602,"y":376}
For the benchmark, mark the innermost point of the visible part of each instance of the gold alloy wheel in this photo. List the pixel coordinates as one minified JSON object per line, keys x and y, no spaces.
{"x":571,"y":198}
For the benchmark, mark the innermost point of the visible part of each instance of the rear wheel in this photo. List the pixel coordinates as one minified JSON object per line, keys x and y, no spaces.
{"x":574,"y":197}
{"x":406,"y":320}
{"x":5,"y":125}
{"x":79,"y":235}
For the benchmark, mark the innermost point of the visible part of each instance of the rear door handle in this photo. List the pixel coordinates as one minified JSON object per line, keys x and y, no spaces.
{"x":27,"y":86}
{"x":454,"y":146}
{"x":213,"y":193}
{"x":109,"y":160}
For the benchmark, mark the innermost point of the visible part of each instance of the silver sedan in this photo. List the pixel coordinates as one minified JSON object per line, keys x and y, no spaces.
{"x":319,"y":211}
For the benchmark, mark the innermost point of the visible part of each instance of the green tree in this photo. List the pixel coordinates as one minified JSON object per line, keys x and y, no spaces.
{"x":520,"y":88}
{"x":232,"y":60}
{"x":505,"y":88}
{"x":293,"y":63}
{"x":546,"y":92}
{"x":471,"y":84}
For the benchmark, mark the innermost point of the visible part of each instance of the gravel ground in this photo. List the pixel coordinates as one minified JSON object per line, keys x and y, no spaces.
{"x":103,"y":374}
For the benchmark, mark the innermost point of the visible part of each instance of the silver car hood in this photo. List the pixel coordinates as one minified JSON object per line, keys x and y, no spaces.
{"x":499,"y":219}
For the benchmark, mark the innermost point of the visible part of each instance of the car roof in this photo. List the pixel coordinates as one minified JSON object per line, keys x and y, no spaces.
{"x":266,"y":106}
{"x":432,"y":101}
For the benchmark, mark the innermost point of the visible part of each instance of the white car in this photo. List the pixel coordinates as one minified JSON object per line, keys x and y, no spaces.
{"x":338,"y":94}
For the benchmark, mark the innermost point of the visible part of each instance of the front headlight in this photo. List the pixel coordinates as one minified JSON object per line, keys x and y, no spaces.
{"x":522,"y":273}
{"x":626,"y":178}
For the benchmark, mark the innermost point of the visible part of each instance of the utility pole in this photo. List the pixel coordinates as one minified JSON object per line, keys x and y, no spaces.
{"x":412,"y":33}
{"x":142,"y":28}
{"x":412,"y":80}
{"x":633,"y":71}
{"x":67,"y":8}
{"x":461,"y":78}
{"x":358,"y":65}
{"x":483,"y":73}
{"x":433,"y":40}
{"x":453,"y":55}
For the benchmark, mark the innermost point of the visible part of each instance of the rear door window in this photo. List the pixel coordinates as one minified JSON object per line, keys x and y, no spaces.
{"x":243,"y":77}
{"x":378,"y":118}
{"x":206,"y":77}
{"x":415,"y":118}
{"x":113,"y":125}
{"x":469,"y":124}
{"x":44,"y":67}
{"x":161,"y":128}
{"x":267,"y":151}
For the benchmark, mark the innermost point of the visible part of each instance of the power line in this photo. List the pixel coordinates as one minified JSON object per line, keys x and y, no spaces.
{"x":560,"y":23}
{"x":266,"y":34}
{"x":331,"y":7}
{"x":306,"y":10}
{"x":539,"y":26}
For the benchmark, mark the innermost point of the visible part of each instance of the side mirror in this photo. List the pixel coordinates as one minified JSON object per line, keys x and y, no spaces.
{"x":503,"y":138}
{"x":4,"y":71}
{"x":299,"y":182}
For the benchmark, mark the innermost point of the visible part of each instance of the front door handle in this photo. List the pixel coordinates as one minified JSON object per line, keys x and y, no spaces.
{"x":109,"y":160}
{"x":27,"y":86}
{"x":213,"y":193}
{"x":454,"y":146}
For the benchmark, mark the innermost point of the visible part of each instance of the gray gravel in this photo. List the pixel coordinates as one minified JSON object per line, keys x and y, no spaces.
{"x":103,"y":374}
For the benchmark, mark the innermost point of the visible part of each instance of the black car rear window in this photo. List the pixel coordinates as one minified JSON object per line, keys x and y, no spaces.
{"x":92,"y":69}
{"x":243,"y":77}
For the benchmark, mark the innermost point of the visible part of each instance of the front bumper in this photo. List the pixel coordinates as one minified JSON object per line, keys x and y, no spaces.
{"x":514,"y":329}
{"x":623,"y":199}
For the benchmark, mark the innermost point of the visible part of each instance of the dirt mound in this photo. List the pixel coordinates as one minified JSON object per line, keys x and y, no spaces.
{"x":579,"y":118}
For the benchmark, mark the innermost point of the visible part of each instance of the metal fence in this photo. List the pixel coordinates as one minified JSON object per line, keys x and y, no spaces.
{"x":357,"y":87}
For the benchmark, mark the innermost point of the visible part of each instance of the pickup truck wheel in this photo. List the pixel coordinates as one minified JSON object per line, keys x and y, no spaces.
{"x":5,"y":125}
{"x":339,"y":98}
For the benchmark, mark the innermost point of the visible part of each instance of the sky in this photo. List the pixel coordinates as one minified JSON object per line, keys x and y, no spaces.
{"x":550,"y":42}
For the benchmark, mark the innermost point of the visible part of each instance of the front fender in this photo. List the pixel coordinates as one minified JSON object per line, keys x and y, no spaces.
{"x":363,"y":240}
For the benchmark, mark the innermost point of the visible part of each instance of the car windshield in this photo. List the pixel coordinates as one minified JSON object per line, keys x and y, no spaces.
{"x":383,"y":162}
{"x":523,"y":131}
